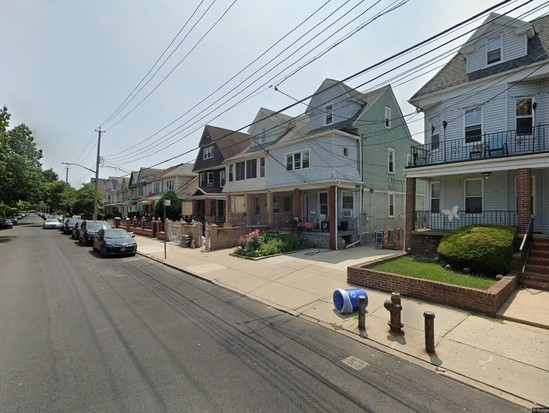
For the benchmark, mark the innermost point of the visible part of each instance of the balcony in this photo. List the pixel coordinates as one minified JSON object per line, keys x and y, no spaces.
{"x":438,"y":221}
{"x":490,"y":145}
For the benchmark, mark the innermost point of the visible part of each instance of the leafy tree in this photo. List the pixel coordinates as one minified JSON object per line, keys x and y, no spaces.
{"x":85,"y":196}
{"x":173,"y":211}
{"x":59,"y":196}
{"x":50,"y":175}
{"x":20,"y":169}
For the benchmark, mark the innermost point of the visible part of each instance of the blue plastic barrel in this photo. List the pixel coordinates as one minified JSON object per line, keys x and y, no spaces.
{"x":346,"y":301}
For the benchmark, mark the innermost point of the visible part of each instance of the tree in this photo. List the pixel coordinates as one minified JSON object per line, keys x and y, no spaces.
{"x":20,"y":169}
{"x":59,"y":196}
{"x":85,"y":196}
{"x":173,"y":211}
{"x":49,"y":175}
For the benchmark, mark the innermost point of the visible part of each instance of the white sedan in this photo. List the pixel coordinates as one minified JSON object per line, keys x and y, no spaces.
{"x":51,"y":223}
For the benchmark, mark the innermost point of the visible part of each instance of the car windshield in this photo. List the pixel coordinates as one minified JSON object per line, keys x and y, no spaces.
{"x":114,"y":234}
{"x":71,"y":221}
{"x":96,"y":226}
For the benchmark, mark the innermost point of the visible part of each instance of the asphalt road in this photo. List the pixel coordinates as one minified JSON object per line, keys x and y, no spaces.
{"x":79,"y":333}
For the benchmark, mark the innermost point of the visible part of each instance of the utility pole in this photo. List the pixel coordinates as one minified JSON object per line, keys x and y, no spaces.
{"x":99,"y":131}
{"x":66,"y":174}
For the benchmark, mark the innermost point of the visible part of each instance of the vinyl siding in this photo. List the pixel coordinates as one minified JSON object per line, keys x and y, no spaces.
{"x":343,"y":109}
{"x":326,"y":162}
{"x":513,"y":46}
{"x":525,"y":89}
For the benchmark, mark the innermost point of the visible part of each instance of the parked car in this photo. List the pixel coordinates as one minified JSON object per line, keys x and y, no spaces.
{"x":114,"y":241}
{"x":6,"y":224}
{"x":51,"y":223}
{"x":88,"y":229}
{"x":68,"y":225}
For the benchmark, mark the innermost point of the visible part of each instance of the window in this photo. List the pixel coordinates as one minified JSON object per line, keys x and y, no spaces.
{"x":298,"y":160}
{"x":328,"y":114}
{"x":391,"y":161}
{"x":207,"y":152}
{"x":262,"y":167}
{"x":231,"y":174}
{"x":251,"y":168}
{"x":323,"y":203}
{"x":523,"y":113}
{"x":202,"y":178}
{"x":409,"y":159}
{"x":435,"y":135}
{"x":240,"y":168}
{"x":346,"y":152}
{"x":347,"y":203}
{"x":391,"y":205}
{"x":435,"y":197}
{"x":222,"y":177}
{"x":169,"y":185}
{"x":473,"y":196}
{"x":156,"y":187}
{"x":388,"y":118}
{"x":473,"y":125}
{"x":210,"y":179}
{"x":493,"y":50}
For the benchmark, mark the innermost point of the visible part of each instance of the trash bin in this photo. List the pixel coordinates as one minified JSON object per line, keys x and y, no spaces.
{"x":187,"y":241}
{"x":346,"y":300}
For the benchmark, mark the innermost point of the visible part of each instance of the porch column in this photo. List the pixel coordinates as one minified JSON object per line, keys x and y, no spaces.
{"x":249,"y":201}
{"x":207,"y":208}
{"x":524,"y":199}
{"x":195,"y":208}
{"x":410,"y":212}
{"x":269,"y":208}
{"x":332,"y":219}
{"x":296,"y":207}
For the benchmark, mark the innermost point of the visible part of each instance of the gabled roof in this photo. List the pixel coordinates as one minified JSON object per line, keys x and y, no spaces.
{"x":454,"y":73}
{"x":146,"y":174}
{"x":227,"y":143}
{"x":188,"y":189}
{"x":331,"y":83}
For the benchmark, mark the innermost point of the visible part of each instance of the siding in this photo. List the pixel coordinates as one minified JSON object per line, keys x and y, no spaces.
{"x":326,"y":161}
{"x":343,"y":109}
{"x":524,"y":89}
{"x":513,"y":46}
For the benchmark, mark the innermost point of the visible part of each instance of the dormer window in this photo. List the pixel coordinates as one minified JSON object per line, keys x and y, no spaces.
{"x":207,"y":152}
{"x":493,"y":50}
{"x":328,"y":114}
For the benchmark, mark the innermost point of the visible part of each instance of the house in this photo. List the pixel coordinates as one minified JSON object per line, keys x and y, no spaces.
{"x":337,"y":167}
{"x":486,"y":154}
{"x":216,"y":145}
{"x":142,"y":189}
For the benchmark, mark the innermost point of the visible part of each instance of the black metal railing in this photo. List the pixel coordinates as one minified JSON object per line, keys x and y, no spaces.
{"x":449,"y":220}
{"x":526,"y":245}
{"x":488,"y":145}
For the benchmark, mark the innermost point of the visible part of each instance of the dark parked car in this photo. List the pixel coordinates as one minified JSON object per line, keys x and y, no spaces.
{"x":6,"y":224}
{"x":88,"y":229}
{"x":75,"y":233}
{"x":114,"y":241}
{"x":68,"y":225}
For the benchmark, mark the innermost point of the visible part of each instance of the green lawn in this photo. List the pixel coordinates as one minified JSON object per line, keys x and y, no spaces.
{"x":421,"y":268}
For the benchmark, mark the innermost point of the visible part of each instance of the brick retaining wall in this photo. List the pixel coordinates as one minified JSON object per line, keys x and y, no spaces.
{"x":484,"y":301}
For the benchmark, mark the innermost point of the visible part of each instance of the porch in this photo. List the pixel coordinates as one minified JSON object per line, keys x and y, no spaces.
{"x":489,"y":145}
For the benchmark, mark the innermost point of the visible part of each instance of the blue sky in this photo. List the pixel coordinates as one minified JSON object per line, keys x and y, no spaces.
{"x":67,"y":66}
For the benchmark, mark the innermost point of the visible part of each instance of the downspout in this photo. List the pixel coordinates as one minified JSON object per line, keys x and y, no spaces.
{"x":336,"y":199}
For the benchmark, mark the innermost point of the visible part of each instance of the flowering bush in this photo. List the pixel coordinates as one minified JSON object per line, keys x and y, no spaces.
{"x":257,"y":244}
{"x":307,"y":226}
{"x":249,"y":244}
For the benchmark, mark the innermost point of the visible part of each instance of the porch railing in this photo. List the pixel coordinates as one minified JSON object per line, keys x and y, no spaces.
{"x":526,"y":245}
{"x":488,"y":145}
{"x":440,"y":221}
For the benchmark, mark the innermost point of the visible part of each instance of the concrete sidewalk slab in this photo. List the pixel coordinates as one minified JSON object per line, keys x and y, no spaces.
{"x":504,"y":357}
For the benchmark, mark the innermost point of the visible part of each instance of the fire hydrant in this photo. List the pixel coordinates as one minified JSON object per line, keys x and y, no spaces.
{"x":395,"y":308}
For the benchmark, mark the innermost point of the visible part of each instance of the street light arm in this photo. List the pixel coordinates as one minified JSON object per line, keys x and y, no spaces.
{"x":81,"y":166}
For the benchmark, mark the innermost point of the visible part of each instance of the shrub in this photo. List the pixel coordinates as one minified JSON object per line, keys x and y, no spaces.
{"x":291,"y":242}
{"x":132,"y":214}
{"x":271,"y":247}
{"x":485,"y":249}
{"x":249,"y":244}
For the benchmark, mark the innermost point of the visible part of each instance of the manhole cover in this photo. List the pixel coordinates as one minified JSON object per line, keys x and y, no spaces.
{"x":354,"y":362}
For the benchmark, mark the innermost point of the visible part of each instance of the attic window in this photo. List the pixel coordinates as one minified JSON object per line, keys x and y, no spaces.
{"x":207,"y":152}
{"x":328,"y":114}
{"x":388,"y":118}
{"x":493,"y":50}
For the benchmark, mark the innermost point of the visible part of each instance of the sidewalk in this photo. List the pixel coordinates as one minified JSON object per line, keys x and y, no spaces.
{"x":507,"y":358}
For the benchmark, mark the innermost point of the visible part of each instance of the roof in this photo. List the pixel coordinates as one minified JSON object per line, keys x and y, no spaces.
{"x":455,"y":73}
{"x":227,"y":142}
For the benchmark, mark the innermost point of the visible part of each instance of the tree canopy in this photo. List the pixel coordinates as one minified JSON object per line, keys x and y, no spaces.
{"x":173,"y":211}
{"x":21,"y":174}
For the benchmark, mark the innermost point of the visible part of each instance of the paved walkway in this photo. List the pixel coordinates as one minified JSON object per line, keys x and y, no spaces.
{"x":504,"y":357}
